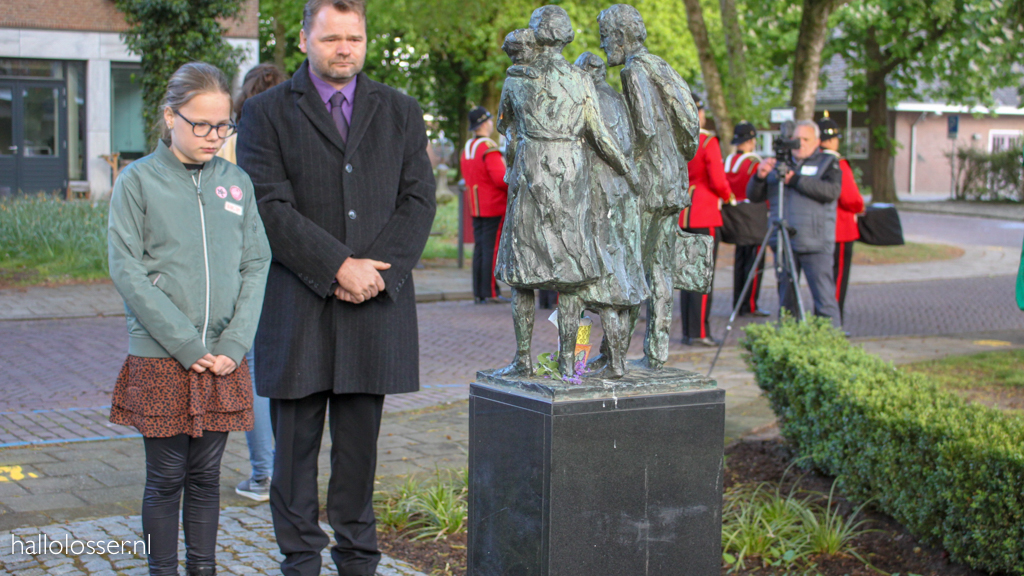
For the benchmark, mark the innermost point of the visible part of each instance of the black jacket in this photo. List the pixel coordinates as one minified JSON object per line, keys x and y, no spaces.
{"x":810,"y":201}
{"x":322,"y":201}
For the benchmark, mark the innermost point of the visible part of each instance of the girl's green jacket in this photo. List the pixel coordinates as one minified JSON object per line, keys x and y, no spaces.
{"x":189,"y":255}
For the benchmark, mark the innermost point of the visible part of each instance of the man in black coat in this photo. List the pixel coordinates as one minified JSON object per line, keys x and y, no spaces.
{"x":346,"y":192}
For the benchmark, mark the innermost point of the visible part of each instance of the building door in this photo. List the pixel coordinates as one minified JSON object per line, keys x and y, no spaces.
{"x":33,"y":137}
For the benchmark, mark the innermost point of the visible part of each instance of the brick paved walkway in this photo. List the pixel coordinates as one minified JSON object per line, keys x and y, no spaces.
{"x":245,"y":546}
{"x":55,"y":365}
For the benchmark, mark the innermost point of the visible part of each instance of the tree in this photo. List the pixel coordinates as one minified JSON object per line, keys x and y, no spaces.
{"x":170,"y":33}
{"x":764,"y":30}
{"x":709,"y":69}
{"x":810,"y":44}
{"x":955,"y":50}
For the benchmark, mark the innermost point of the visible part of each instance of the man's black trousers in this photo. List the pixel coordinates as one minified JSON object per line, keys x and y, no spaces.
{"x":695,"y":308}
{"x":842,"y":260}
{"x":486,"y":233}
{"x":743,"y":263}
{"x":294,"y":503}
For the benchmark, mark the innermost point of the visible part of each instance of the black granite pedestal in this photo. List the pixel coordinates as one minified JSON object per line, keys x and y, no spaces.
{"x":609,"y":478}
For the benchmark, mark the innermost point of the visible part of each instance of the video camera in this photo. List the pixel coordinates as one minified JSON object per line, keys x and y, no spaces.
{"x":783,"y":147}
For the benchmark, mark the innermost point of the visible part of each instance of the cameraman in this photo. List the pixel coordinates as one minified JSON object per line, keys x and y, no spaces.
{"x":812,"y":186}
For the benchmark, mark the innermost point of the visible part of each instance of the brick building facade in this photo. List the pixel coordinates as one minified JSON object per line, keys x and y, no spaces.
{"x":68,"y":94}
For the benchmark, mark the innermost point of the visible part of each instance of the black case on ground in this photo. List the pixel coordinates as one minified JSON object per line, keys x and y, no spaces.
{"x":880,"y":226}
{"x":744,"y":224}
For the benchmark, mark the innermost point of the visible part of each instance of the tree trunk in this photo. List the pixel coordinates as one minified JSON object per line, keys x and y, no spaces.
{"x":880,"y":157}
{"x":280,"y":39}
{"x":490,"y":99}
{"x":807,"y":60}
{"x":709,"y":69}
{"x":739,"y":92}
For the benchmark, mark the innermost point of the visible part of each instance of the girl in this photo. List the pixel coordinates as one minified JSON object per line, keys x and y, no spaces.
{"x":189,"y":256}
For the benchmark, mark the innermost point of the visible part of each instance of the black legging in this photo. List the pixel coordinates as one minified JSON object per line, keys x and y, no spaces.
{"x":173,"y":464}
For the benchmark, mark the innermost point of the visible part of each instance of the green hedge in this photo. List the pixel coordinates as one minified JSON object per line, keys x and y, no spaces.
{"x":950,"y":471}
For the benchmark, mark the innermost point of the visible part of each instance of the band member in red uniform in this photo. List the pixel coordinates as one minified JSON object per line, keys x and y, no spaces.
{"x":708,"y":188}
{"x":850,"y":204}
{"x":739,"y":167}
{"x":483,"y":168}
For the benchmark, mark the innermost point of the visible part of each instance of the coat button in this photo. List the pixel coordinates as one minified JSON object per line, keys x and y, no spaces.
{"x":348,"y":168}
{"x":351,"y":214}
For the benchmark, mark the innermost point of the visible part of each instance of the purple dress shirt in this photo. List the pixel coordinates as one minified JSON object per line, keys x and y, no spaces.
{"x":325,"y":91}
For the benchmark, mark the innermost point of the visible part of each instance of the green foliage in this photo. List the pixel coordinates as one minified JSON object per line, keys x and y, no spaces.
{"x":982,"y":175}
{"x":423,"y":509}
{"x":57,"y":238}
{"x":949,"y":471}
{"x":170,"y":33}
{"x":953,"y":50}
{"x":759,"y":522}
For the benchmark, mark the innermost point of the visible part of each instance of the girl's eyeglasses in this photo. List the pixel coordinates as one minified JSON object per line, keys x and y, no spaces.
{"x":203,"y":129}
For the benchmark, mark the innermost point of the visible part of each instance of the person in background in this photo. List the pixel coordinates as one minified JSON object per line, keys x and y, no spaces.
{"x":259,"y":78}
{"x":810,"y":191}
{"x":850,"y":204}
{"x":483,"y":168}
{"x":740,"y":166}
{"x":708,"y":188}
{"x":189,"y":255}
{"x":261,"y":438}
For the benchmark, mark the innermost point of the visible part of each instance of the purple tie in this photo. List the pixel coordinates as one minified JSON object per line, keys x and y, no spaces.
{"x":339,"y":116}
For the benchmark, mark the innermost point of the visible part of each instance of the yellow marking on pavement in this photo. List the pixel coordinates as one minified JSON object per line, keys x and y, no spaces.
{"x":995,"y":343}
{"x":12,"y":473}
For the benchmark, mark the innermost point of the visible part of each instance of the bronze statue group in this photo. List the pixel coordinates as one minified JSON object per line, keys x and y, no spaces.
{"x":597,"y":180}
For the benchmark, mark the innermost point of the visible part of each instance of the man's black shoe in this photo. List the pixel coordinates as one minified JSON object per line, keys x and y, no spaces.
{"x":480,"y":301}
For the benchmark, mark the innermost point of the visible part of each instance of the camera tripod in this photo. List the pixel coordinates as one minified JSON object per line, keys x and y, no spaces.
{"x":785,"y":263}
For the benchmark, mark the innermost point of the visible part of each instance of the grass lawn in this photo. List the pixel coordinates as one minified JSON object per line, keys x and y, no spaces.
{"x":47,"y":240}
{"x":905,"y":254}
{"x":995,"y":378}
{"x":443,"y":244}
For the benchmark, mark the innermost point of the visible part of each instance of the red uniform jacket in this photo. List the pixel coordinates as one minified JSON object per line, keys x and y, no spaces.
{"x":483,"y":168}
{"x":850,"y":204}
{"x":708,"y":185}
{"x":739,"y":168}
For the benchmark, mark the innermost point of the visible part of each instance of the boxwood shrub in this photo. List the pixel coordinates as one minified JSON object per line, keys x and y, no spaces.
{"x":952,"y":472}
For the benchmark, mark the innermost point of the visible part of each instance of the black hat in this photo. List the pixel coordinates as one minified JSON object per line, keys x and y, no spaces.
{"x":477,"y":117}
{"x":742,"y":132}
{"x":829,"y":128}
{"x":698,"y":102}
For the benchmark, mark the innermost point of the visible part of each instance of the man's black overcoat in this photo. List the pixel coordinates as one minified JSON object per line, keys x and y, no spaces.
{"x":322,"y":201}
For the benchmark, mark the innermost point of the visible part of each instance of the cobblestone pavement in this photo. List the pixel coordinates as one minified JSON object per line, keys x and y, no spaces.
{"x":54,"y":483}
{"x":245,"y":546}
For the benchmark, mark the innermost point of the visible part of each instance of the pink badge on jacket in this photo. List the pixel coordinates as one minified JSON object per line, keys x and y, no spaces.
{"x":222,"y":192}
{"x":236,"y":193}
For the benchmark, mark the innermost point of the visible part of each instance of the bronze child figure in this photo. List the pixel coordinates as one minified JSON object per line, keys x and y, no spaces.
{"x":615,"y":222}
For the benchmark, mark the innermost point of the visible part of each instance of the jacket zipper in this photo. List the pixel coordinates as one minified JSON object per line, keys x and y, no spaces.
{"x":206,"y":255}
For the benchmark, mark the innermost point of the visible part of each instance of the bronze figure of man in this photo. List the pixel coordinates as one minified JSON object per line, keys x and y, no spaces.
{"x":666,"y":135}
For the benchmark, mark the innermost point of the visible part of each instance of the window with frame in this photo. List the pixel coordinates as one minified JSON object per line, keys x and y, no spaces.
{"x":999,"y":140}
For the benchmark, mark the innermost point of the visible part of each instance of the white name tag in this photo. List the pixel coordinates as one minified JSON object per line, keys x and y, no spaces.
{"x":808,"y":170}
{"x":233,"y":208}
